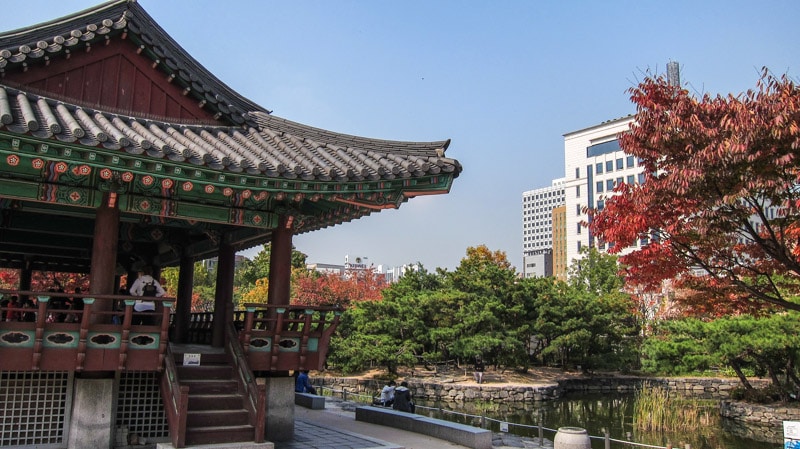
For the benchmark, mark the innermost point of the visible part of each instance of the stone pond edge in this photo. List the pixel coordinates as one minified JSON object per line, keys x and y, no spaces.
{"x":699,"y":387}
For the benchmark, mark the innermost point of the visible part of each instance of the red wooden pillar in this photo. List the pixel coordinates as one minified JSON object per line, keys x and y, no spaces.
{"x":280,"y":390}
{"x":223,"y":297}
{"x":183,"y":311}
{"x":280,"y":263}
{"x":104,"y":250}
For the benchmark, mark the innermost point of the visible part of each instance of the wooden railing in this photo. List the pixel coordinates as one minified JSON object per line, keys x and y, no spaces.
{"x":255,"y":394}
{"x":280,"y":338}
{"x":176,"y":401}
{"x":95,"y":339}
{"x":100,"y":338}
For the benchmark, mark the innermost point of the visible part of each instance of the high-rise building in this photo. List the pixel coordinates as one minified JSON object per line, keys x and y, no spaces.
{"x":537,"y":228}
{"x":594,"y":164}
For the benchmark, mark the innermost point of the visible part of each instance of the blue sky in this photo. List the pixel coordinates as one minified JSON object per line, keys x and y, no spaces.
{"x":505,"y":80}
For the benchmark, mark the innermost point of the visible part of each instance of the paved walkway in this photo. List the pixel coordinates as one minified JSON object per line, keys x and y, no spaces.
{"x":336,"y":427}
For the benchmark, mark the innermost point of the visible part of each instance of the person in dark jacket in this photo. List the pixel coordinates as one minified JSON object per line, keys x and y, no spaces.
{"x":302,"y":383}
{"x":403,"y":400}
{"x":479,"y":368}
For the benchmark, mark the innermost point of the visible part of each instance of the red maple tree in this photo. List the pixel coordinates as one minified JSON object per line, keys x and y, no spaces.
{"x":720,"y":206}
{"x":313,"y":288}
{"x":42,"y":281}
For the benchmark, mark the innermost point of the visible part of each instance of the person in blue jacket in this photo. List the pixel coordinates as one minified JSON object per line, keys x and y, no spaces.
{"x":303,"y":385}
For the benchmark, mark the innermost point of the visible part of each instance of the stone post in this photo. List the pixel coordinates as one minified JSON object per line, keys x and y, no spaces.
{"x":280,"y":408}
{"x":92,"y":408}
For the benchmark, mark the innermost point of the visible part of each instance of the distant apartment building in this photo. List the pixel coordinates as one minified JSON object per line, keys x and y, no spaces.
{"x":537,"y":228}
{"x":594,"y":165}
{"x":354,"y":264}
{"x":211,"y":264}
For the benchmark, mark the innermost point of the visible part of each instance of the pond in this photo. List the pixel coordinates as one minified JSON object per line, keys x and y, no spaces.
{"x":597,"y":412}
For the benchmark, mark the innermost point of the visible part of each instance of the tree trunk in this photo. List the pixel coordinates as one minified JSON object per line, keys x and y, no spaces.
{"x":742,"y":378}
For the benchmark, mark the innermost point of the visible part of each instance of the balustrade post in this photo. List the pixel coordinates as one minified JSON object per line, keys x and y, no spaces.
{"x":303,"y":352}
{"x":126,"y":332}
{"x":276,"y":337}
{"x":164,"y":340}
{"x":88,"y":304}
{"x":41,"y":317}
{"x":607,"y":439}
{"x":248,"y":327}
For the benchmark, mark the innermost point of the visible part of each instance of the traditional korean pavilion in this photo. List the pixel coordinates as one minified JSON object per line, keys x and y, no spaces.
{"x":118,"y":150}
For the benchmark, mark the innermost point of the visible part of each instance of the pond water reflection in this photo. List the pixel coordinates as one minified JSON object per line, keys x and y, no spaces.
{"x":597,"y":412}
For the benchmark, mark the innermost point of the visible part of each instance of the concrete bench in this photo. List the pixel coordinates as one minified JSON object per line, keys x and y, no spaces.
{"x":309,"y":400}
{"x":462,"y":434}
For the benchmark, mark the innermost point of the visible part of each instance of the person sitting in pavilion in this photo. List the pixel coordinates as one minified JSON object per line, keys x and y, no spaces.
{"x":146,"y":285}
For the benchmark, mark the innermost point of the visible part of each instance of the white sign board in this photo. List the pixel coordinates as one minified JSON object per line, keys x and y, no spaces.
{"x":191,"y":359}
{"x":791,"y":434}
{"x":504,"y":427}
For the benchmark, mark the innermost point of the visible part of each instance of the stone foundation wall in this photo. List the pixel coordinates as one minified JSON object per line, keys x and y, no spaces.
{"x":763,"y":415}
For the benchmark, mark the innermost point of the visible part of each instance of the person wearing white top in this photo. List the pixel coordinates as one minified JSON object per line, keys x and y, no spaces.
{"x":145,"y":285}
{"x":387,"y":394}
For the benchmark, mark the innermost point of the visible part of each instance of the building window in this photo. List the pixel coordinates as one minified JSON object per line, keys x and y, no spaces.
{"x":619,"y":164}
{"x":599,"y":186}
{"x":609,"y":184}
{"x":629,"y":161}
{"x":598,"y":168}
{"x":641,"y":178}
{"x":602,"y":148}
{"x":601,"y":204}
{"x":609,"y":166}
{"x":578,"y":209}
{"x":577,"y":191}
{"x":630,"y":179}
{"x":579,"y":228}
{"x":577,"y":172}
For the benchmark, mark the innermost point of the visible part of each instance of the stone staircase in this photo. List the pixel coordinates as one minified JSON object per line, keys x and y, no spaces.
{"x":216,"y":412}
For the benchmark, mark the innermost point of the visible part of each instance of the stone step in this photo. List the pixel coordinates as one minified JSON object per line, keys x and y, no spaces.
{"x":211,"y":386}
{"x":216,"y":418}
{"x":220,"y":372}
{"x":219,"y":434}
{"x":214,"y":401}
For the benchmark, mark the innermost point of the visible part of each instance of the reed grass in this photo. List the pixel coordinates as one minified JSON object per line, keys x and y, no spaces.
{"x":656,"y":410}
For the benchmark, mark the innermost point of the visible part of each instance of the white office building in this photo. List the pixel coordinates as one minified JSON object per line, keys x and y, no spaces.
{"x":537,"y":228}
{"x":594,"y":165}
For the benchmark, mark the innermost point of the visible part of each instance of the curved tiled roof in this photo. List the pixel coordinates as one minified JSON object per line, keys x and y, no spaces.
{"x":275,"y":147}
{"x":256,"y":143}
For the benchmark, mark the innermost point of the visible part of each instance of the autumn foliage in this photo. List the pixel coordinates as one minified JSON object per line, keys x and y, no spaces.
{"x":720,"y":205}
{"x":46,"y":280}
{"x":313,"y":288}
